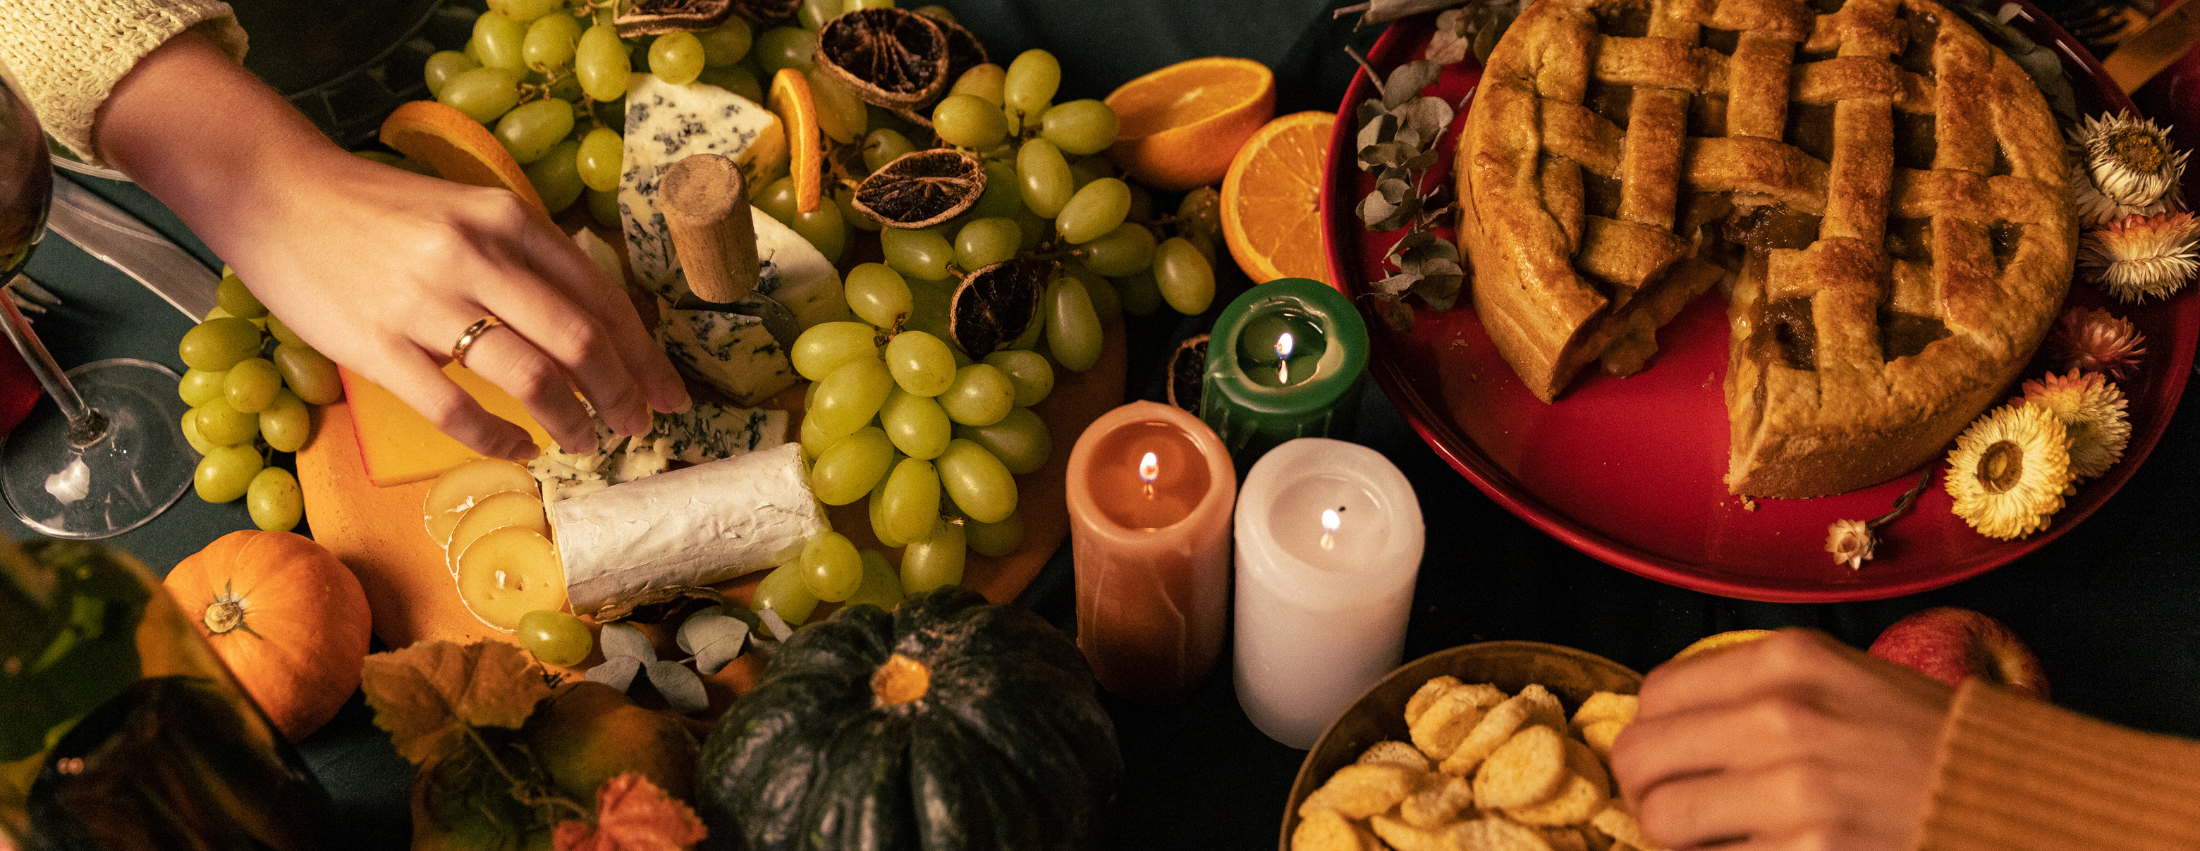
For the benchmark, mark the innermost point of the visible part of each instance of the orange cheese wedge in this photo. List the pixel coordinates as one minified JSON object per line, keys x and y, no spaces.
{"x":398,"y":445}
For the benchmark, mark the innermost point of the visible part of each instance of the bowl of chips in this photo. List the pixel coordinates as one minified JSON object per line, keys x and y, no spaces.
{"x":1496,"y":745}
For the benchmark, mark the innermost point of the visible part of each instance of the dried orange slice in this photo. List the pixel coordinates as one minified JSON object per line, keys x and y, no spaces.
{"x":1179,"y":126}
{"x":1271,"y":199}
{"x":790,"y":98}
{"x":456,"y":146}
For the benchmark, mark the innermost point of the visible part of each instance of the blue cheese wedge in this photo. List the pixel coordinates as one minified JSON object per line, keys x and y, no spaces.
{"x":729,"y":351}
{"x":665,"y":124}
{"x":706,"y":432}
{"x":693,"y":526}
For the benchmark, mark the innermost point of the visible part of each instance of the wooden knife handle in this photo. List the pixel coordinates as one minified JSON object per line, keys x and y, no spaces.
{"x":705,"y":201}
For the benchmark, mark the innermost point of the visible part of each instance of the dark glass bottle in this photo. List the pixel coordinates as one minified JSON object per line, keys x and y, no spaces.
{"x":120,"y":728}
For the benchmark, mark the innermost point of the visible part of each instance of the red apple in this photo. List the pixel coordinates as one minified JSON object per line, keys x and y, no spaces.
{"x":1949,"y":643}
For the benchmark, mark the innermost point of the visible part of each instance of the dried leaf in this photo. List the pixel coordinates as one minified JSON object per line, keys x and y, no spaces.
{"x":1377,"y":131}
{"x":1388,"y":154}
{"x":1375,"y":210}
{"x":632,"y":814}
{"x":616,"y":672}
{"x":622,"y":641}
{"x":1398,"y":284}
{"x":778,"y":625}
{"x":1485,"y":40}
{"x":1378,"y":12}
{"x":1454,"y":34}
{"x":1428,"y":249}
{"x":1426,"y":117}
{"x":1395,"y":313}
{"x":1406,"y":81}
{"x":427,"y":694}
{"x":679,"y":686}
{"x":713,"y":638}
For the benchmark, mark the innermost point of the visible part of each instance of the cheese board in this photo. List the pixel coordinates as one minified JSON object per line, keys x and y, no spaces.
{"x":377,"y":530}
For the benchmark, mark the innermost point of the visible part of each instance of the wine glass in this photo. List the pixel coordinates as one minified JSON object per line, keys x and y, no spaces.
{"x":116,"y":456}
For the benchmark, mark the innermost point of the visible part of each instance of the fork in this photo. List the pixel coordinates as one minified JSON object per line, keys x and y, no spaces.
{"x":29,"y":297}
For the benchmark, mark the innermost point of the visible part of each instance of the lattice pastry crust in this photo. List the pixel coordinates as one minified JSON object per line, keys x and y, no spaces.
{"x":1882,"y":193}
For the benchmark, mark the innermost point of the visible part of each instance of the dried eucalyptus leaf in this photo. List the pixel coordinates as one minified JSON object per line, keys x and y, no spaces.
{"x":620,"y":641}
{"x":1389,"y":154}
{"x":1378,"y":131}
{"x":1384,"y":11}
{"x":1441,"y":292}
{"x":1397,"y":284}
{"x":1406,"y":81}
{"x":1422,"y":161}
{"x":1395,"y":189}
{"x":714,"y":639}
{"x":1454,"y":35}
{"x":1375,"y":209}
{"x":1409,"y":242}
{"x":1369,"y":111}
{"x":1431,"y":250}
{"x":617,"y":672}
{"x":1485,"y":40}
{"x":2040,"y":63}
{"x":1426,"y":116}
{"x":1396,"y":313}
{"x":679,"y":686}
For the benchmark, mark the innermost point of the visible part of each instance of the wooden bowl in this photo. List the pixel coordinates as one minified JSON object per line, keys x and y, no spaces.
{"x":1379,"y":714}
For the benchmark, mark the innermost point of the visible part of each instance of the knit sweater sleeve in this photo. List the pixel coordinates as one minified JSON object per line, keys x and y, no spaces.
{"x":68,"y":56}
{"x":2016,"y":774}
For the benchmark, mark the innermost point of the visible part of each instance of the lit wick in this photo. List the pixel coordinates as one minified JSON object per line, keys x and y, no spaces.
{"x":1283,"y":358}
{"x":1149,"y":469}
{"x":1331,"y":522}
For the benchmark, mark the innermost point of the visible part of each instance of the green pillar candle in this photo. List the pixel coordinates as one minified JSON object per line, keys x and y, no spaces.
{"x":1286,"y":360}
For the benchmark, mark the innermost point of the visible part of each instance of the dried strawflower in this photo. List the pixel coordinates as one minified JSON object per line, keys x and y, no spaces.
{"x":2094,"y":340}
{"x":1851,"y":541}
{"x":2092,"y":411}
{"x":2129,"y":167}
{"x":2010,"y":471}
{"x":2142,"y":257}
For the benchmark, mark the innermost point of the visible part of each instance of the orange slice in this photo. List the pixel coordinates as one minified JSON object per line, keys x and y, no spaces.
{"x":1179,"y":126}
{"x":1722,"y":640}
{"x":790,"y":98}
{"x":1271,"y":199}
{"x":456,"y":146}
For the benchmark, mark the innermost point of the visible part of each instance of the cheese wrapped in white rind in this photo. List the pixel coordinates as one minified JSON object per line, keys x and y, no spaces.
{"x":694,"y":526}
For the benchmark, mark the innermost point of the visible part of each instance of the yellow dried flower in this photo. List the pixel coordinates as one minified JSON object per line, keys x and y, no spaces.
{"x":2010,"y":471}
{"x":2092,"y":411}
{"x":2142,"y":257}
{"x":1850,"y":542}
{"x":2094,"y":340}
{"x":2127,"y":166}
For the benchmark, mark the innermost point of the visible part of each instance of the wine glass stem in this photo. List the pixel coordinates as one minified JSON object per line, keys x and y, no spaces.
{"x":85,"y":425}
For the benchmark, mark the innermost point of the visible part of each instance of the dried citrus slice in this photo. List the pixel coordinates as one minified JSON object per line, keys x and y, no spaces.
{"x":921,"y":188}
{"x":1271,"y":199}
{"x":790,"y":98}
{"x":456,"y":146}
{"x":893,"y":58}
{"x":1179,"y":126}
{"x":995,"y":304}
{"x":1722,"y":640}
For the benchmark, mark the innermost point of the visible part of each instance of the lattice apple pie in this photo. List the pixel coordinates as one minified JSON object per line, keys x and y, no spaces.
{"x":1882,"y":191}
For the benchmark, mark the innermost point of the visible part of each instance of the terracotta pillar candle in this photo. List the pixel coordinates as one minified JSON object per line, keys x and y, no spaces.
{"x":1286,"y":360}
{"x":1329,"y":542}
{"x":1150,"y":492}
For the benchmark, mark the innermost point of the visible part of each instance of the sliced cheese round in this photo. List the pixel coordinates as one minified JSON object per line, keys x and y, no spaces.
{"x":507,"y":573}
{"x":463,"y":486}
{"x":496,"y":511}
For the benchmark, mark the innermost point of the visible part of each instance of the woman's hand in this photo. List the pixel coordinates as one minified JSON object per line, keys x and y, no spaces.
{"x":1793,"y":741}
{"x":381,"y":269}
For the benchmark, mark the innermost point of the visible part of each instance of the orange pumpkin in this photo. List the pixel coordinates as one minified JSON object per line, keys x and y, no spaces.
{"x":285,"y":615}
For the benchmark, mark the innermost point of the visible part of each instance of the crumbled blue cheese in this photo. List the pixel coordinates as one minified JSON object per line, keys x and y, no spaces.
{"x":706,"y":432}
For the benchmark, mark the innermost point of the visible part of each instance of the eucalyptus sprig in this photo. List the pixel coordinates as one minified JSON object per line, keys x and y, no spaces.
{"x":1399,"y":131}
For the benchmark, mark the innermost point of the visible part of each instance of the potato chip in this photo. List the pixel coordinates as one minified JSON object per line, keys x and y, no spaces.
{"x":1496,"y":834}
{"x":1446,"y":722}
{"x":1526,"y":769}
{"x":1426,"y":695}
{"x":1359,"y":791}
{"x":1605,"y":705}
{"x":1441,"y":801}
{"x":1622,"y":827}
{"x":1599,"y":735}
{"x":1581,"y":795}
{"x":1565,"y":839}
{"x":1495,"y":727}
{"x":1394,"y":752}
{"x":1405,"y":837}
{"x":1327,"y":830}
{"x":1543,"y":707}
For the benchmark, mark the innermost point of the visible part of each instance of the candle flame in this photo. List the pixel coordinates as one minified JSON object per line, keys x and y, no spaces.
{"x":1283,"y":357}
{"x":1149,"y":468}
{"x":1331,"y":522}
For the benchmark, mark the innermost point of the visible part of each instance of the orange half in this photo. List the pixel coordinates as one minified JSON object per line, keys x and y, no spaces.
{"x":1271,"y":199}
{"x":1178,"y":127}
{"x":457,"y":147}
{"x":790,"y":98}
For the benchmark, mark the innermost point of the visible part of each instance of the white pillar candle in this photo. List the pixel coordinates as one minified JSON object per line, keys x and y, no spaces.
{"x":1329,"y":541}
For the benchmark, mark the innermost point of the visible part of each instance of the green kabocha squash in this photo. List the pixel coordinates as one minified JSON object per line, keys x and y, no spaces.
{"x":951,"y":723}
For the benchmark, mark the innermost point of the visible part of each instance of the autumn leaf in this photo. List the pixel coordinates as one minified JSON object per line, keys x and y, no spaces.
{"x":427,"y":695}
{"x":632,"y":814}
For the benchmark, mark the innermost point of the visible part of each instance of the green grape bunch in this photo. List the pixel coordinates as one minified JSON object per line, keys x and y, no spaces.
{"x":249,"y":380}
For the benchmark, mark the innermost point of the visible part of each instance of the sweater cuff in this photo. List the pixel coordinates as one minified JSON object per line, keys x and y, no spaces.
{"x":2017,"y":774}
{"x":69,"y":56}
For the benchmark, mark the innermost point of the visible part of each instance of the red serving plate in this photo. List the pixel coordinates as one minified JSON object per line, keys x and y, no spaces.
{"x":1629,"y":470}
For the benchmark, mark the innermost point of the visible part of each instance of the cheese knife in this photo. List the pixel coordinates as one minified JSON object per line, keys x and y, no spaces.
{"x":120,"y":240}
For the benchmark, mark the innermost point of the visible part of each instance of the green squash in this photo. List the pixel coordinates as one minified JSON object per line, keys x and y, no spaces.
{"x":950,"y":724}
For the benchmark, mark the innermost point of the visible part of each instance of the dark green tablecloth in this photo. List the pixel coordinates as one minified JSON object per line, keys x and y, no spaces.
{"x":2109,"y":606}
